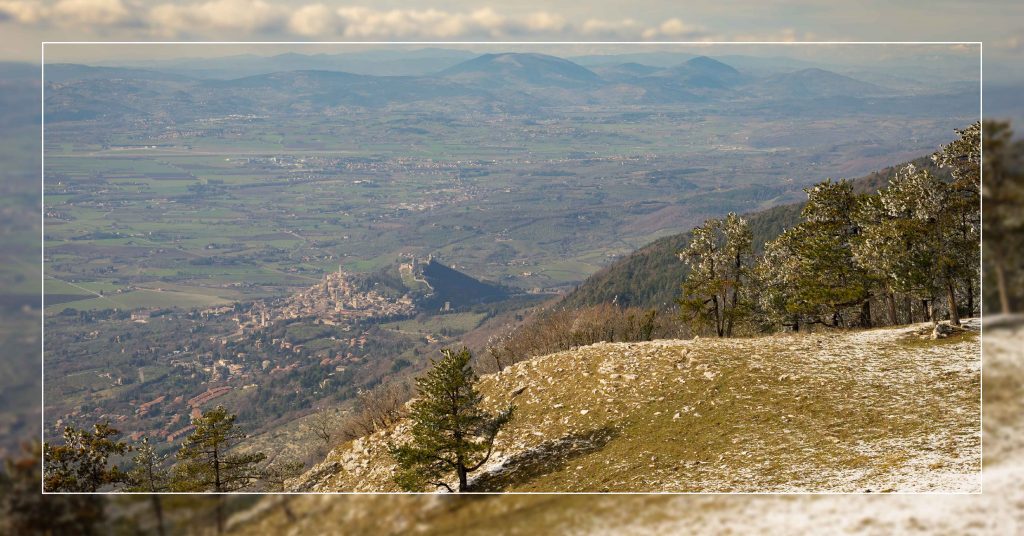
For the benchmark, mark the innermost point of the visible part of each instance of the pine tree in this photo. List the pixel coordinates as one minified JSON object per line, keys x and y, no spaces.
{"x":775,"y":277}
{"x":960,"y":217}
{"x":719,"y":256}
{"x":819,"y":280}
{"x":1003,"y":194}
{"x":149,"y":475}
{"x":81,"y":462}
{"x":923,"y":242}
{"x":205,"y":462}
{"x":450,"y":431}
{"x":276,"y":474}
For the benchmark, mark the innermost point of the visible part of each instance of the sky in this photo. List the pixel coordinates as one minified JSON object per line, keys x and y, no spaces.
{"x":24,"y":24}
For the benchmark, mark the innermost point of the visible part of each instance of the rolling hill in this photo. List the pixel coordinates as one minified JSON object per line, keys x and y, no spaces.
{"x":497,"y":70}
{"x":815,"y":82}
{"x":511,"y":81}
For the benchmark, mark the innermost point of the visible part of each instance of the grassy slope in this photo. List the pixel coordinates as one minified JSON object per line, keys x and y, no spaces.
{"x":876,"y":410}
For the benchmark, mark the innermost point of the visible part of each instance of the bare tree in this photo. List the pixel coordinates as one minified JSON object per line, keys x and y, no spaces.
{"x":377,"y":408}
{"x":324,"y":424}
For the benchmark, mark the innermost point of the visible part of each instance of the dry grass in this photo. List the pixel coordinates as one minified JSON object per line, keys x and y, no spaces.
{"x":856,"y":411}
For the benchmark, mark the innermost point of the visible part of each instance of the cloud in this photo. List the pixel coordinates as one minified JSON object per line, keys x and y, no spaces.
{"x":23,"y":12}
{"x":674,"y":29}
{"x":313,"y":20}
{"x":274,"y":19}
{"x":210,"y":18}
{"x":67,"y":13}
{"x":91,"y":12}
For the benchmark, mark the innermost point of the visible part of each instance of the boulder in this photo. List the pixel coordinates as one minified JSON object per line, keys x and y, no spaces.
{"x":941,"y":331}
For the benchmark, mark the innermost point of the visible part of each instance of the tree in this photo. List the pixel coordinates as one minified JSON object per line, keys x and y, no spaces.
{"x":960,"y":216}
{"x":148,"y":474}
{"x":775,"y":278}
{"x":376,"y":409}
{"x":323,"y":425}
{"x":1003,"y":198}
{"x":880,"y":248}
{"x":719,"y":256}
{"x":933,"y":248}
{"x":450,"y":431}
{"x":81,"y":463}
{"x":205,"y":462}
{"x":276,"y":474}
{"x":811,"y":268}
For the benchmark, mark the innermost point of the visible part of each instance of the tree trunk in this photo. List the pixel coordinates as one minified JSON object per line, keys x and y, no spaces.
{"x":718,"y":317}
{"x":219,"y":512}
{"x":865,"y":314}
{"x":463,"y":480}
{"x":929,"y":310}
{"x":158,"y":512}
{"x":969,"y":285}
{"x":1004,"y":295}
{"x":890,"y":305}
{"x":954,"y":315}
{"x":216,"y":472}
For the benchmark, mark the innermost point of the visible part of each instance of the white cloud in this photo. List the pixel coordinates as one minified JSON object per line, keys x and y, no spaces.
{"x":91,"y":12}
{"x":23,"y":12}
{"x":543,"y":21}
{"x":209,"y":18}
{"x":274,"y":19}
{"x":313,"y":20}
{"x":673,"y":29}
{"x":68,"y":13}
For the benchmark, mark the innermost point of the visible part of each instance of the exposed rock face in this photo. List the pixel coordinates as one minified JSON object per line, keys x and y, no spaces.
{"x":850,"y":411}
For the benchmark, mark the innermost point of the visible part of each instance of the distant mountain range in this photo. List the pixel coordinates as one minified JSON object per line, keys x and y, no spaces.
{"x":518,"y":81}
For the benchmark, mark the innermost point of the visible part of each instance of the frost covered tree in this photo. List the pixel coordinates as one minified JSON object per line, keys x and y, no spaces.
{"x":720,"y":257}
{"x":450,"y":432}
{"x":774,"y":277}
{"x":81,"y":463}
{"x":961,"y":217}
{"x":900,"y":235}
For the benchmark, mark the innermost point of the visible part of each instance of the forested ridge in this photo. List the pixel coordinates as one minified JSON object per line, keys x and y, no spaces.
{"x":650,"y":276}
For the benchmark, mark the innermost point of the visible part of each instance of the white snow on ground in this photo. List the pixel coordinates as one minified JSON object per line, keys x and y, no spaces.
{"x":999,"y":510}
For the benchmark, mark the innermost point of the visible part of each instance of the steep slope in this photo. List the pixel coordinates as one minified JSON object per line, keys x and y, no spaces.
{"x":650,"y":276}
{"x":879,"y":410}
{"x":458,"y":289}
